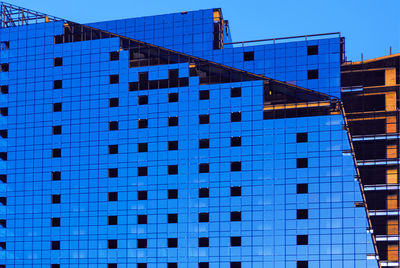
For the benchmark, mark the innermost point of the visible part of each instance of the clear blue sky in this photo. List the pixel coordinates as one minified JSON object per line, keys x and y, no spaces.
{"x":370,"y":26}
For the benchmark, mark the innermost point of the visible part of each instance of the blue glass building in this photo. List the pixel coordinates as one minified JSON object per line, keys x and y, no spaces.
{"x":120,"y":149}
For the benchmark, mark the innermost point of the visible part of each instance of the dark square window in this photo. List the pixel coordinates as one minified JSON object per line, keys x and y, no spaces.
{"x":4,"y":89}
{"x":143,"y":99}
{"x":112,"y":265}
{"x":236,"y":141}
{"x":312,"y":74}
{"x":113,"y":196}
{"x":302,"y":188}
{"x":312,"y":50}
{"x":143,"y":80}
{"x":142,"y":219}
{"x":55,"y":222}
{"x":142,"y":171}
{"x":204,"y":168}
{"x":143,"y":123}
{"x":172,"y":265}
{"x":142,"y":195}
{"x":236,"y":191}
{"x":55,"y":175}
{"x":55,"y":245}
{"x":204,"y":265}
{"x":302,"y":162}
{"x":172,"y":218}
{"x":3,"y":178}
{"x":133,"y":86}
{"x":56,"y":199}
{"x":57,"y":107}
{"x":204,"y":242}
{"x":236,"y":216}
{"x":173,"y":121}
{"x":112,"y":220}
{"x":4,"y":67}
{"x":204,"y":143}
{"x":112,"y":244}
{"x":141,"y":265}
{"x":204,"y":217}
{"x":236,"y":264}
{"x":114,"y":55}
{"x":302,"y":214}
{"x":173,"y":145}
{"x":173,"y":97}
{"x":204,"y":119}
{"x":57,"y":84}
{"x":113,"y":102}
{"x":4,"y":45}
{"x":142,"y":147}
{"x":236,"y":92}
{"x":4,"y":111}
{"x":58,"y":39}
{"x":248,"y":56}
{"x":58,"y":61}
{"x":3,"y":201}
{"x":56,"y":130}
{"x":173,"y":194}
{"x":4,"y":133}
{"x":236,"y":166}
{"x":113,"y":172}
{"x":302,"y":137}
{"x":302,"y":264}
{"x":204,"y":192}
{"x":55,"y":266}
{"x":113,"y":125}
{"x":172,"y":242}
{"x":172,"y":169}
{"x":236,"y":241}
{"x":114,"y":79}
{"x":113,"y":149}
{"x":204,"y":94}
{"x":236,"y":117}
{"x":56,"y":153}
{"x":302,"y":240}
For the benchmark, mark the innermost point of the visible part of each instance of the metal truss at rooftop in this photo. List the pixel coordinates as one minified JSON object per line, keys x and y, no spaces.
{"x":12,"y":16}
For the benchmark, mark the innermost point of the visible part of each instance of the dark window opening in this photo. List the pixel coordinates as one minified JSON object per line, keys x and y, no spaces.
{"x":4,"y":89}
{"x":236,"y":241}
{"x":113,"y":196}
{"x":236,"y":92}
{"x":236,"y":117}
{"x":3,"y":201}
{"x":113,"y":172}
{"x":3,"y":156}
{"x":54,"y":266}
{"x":204,"y":192}
{"x":57,"y":107}
{"x":173,"y":145}
{"x":142,"y":195}
{"x":112,"y":220}
{"x":357,"y":103}
{"x":143,"y":123}
{"x":302,"y":214}
{"x":204,"y":94}
{"x":56,"y":175}
{"x":204,"y":217}
{"x":56,"y":153}
{"x":4,"y":111}
{"x":4,"y":45}
{"x":113,"y":125}
{"x":55,"y":245}
{"x":236,"y":191}
{"x":56,"y":130}
{"x":236,"y":166}
{"x":114,"y":55}
{"x":142,"y":219}
{"x":142,"y":171}
{"x":111,"y":265}
{"x":236,"y":264}
{"x":302,"y":264}
{"x":56,"y":199}
{"x":143,"y":100}
{"x":58,"y":39}
{"x":302,"y":239}
{"x":172,"y":218}
{"x":57,"y":84}
{"x":114,"y":79}
{"x":58,"y":61}
{"x":112,"y":244}
{"x":173,"y":97}
{"x":141,"y":265}
{"x":172,"y":242}
{"x":312,"y":74}
{"x":172,"y":265}
{"x":173,"y":121}
{"x":55,"y":222}
{"x":143,"y":147}
{"x":3,"y":245}
{"x":133,"y":86}
{"x":302,"y":162}
{"x":3,"y":178}
{"x":204,"y":265}
{"x":236,"y":216}
{"x":236,"y":141}
{"x":4,"y":133}
{"x":172,"y":169}
{"x":113,"y":149}
{"x":141,"y":243}
{"x":248,"y":56}
{"x":302,"y":188}
{"x":204,"y":168}
{"x":204,"y":143}
{"x":204,"y":119}
{"x":143,"y":80}
{"x":173,"y":194}
{"x":4,"y":67}
{"x":113,"y":102}
{"x":301,"y":137}
{"x":312,"y":50}
{"x":204,"y":242}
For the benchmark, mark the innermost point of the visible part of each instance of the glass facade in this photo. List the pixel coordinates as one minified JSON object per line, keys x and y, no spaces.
{"x":117,"y":153}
